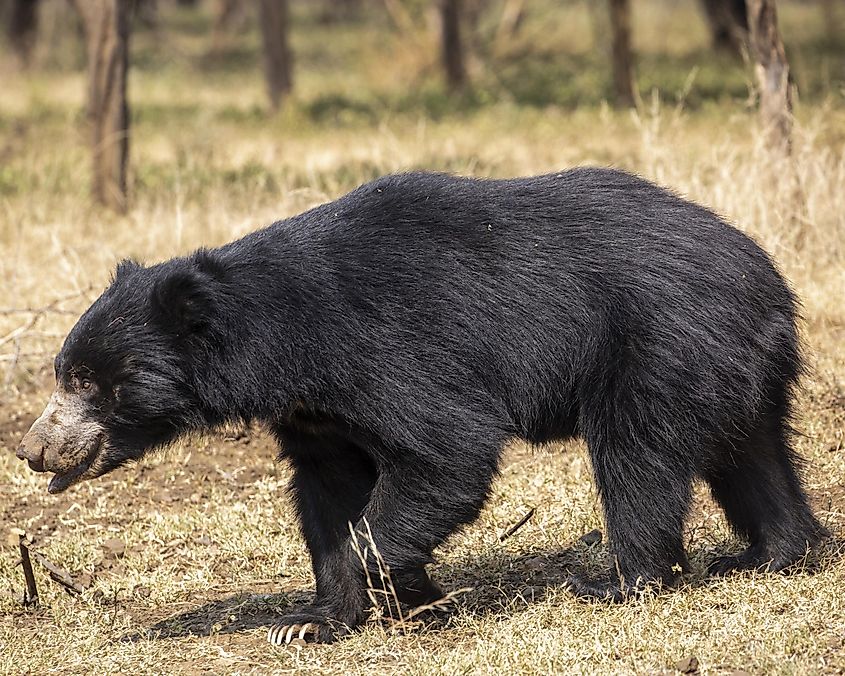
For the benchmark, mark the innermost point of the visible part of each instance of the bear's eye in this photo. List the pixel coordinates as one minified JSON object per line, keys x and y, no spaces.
{"x":85,"y":384}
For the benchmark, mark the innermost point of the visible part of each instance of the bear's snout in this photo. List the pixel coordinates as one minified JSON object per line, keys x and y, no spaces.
{"x":32,"y":450}
{"x":62,"y":438}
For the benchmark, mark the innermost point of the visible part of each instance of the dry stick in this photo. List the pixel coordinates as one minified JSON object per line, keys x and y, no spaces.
{"x":6,"y":311}
{"x":30,"y":596}
{"x":37,"y":314}
{"x":59,"y":574}
{"x":439,"y":604}
{"x":50,"y":307}
{"x":15,"y":356}
{"x":519,"y":524}
{"x":21,"y":329}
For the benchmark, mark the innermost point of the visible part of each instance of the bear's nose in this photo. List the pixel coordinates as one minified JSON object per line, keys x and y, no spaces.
{"x":32,"y":452}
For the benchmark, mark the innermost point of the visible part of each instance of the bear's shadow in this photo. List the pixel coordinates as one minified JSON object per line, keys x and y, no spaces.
{"x":495,"y":582}
{"x":500,"y":584}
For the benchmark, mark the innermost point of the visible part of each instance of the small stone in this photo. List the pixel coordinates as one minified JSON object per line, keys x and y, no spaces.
{"x":114,"y":547}
{"x":142,"y":592}
{"x":688,"y":665}
{"x":594,"y":537}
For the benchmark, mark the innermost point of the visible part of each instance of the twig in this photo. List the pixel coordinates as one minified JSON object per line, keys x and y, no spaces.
{"x":50,"y":308}
{"x":6,"y":311}
{"x":15,"y":356}
{"x":23,"y":328}
{"x":439,"y":604}
{"x":519,"y":524}
{"x":30,"y":596}
{"x":59,"y":574}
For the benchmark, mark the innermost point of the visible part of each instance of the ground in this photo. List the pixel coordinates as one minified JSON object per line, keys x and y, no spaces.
{"x":189,"y":555}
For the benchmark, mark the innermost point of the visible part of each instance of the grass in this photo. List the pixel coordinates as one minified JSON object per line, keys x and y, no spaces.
{"x":209,"y":552}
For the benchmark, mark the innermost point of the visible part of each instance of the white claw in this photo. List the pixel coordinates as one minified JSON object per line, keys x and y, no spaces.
{"x":289,"y":635}
{"x":276,"y":633}
{"x":306,"y":628}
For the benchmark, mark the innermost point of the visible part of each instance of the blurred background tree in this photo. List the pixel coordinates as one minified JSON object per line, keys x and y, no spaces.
{"x":484,"y":50}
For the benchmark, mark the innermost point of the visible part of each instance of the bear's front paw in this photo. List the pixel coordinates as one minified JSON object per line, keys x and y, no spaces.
{"x":308,"y":624}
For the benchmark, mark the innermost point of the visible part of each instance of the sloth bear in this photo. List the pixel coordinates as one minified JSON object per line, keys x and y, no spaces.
{"x":395,"y":340}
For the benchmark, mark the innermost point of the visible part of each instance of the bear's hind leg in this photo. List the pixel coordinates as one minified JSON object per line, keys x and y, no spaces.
{"x":758,"y":487}
{"x":645,"y":492}
{"x":415,"y":588}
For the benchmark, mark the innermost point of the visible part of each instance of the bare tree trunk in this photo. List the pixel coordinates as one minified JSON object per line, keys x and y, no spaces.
{"x":146,"y":12}
{"x":278,"y":61}
{"x":772,"y":73}
{"x":831,"y":19}
{"x":728,"y":21}
{"x":451,"y":43}
{"x":228,"y":16}
{"x":623,"y":60}
{"x":334,"y":11}
{"x":23,"y":29}
{"x":107,"y":35}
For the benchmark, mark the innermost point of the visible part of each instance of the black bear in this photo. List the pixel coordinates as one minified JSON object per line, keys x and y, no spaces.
{"x":396,"y":339}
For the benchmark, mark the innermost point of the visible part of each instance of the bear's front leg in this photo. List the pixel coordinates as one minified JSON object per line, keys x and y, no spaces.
{"x":332,"y":480}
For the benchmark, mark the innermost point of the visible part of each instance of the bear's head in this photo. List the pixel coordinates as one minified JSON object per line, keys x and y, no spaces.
{"x":123,"y":375}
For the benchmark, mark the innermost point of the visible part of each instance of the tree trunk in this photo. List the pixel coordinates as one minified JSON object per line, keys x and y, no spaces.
{"x":451,"y":44}
{"x":334,"y":11}
{"x":278,"y":66}
{"x":728,"y":21}
{"x":623,"y":60}
{"x":107,"y":34}
{"x":831,"y":19}
{"x":228,"y":15}
{"x":23,"y":28}
{"x":772,"y":73}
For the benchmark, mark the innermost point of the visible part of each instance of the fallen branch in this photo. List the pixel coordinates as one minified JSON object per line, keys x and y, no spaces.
{"x":59,"y":574}
{"x":519,"y":524}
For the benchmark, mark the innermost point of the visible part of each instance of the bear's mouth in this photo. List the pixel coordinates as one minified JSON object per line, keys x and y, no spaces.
{"x":64,"y":480}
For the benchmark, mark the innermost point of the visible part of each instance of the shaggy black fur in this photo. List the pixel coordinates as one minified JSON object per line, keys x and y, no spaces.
{"x":396,"y":339}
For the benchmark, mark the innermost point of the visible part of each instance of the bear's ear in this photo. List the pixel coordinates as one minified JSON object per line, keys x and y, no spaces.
{"x":183,"y":301}
{"x":125,"y":268}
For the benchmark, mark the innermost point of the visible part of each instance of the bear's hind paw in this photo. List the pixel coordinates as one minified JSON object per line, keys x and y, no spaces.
{"x":590,"y":589}
{"x":611,"y":589}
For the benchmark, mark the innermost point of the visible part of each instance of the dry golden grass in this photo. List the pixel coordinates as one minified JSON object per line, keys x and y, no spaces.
{"x":208,"y":551}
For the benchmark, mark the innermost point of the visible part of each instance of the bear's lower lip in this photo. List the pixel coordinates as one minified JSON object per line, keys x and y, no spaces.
{"x":64,"y":480}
